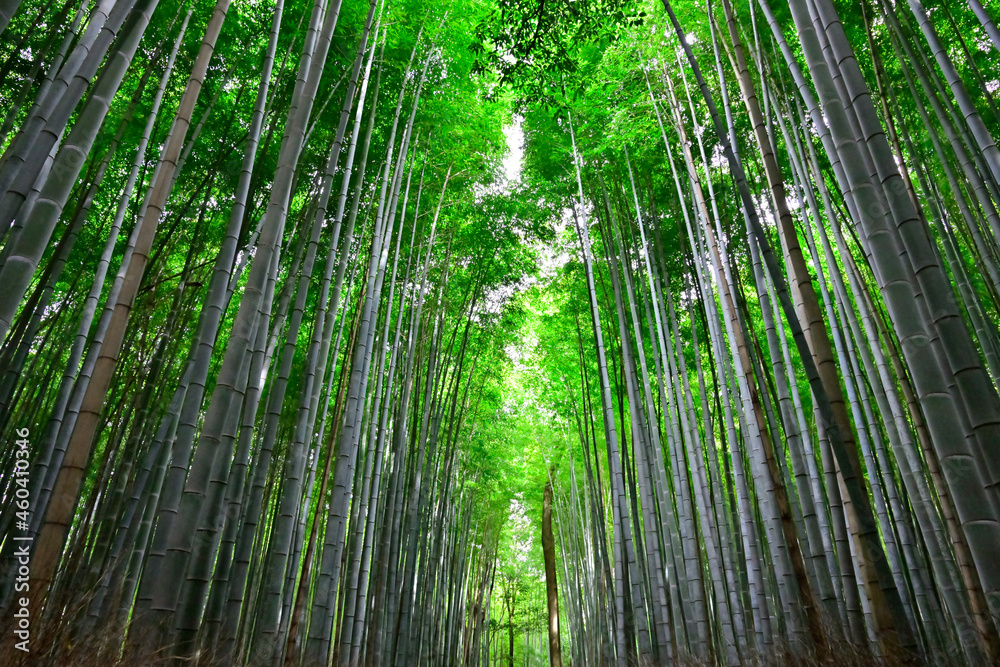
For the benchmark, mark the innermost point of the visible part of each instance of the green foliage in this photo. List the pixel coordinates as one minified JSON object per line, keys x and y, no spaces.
{"x":534,"y":45}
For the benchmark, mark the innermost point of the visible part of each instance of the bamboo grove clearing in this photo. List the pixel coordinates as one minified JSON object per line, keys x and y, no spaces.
{"x":499,"y":332}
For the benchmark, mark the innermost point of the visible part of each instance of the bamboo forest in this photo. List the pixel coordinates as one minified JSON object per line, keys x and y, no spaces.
{"x":499,"y":333}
